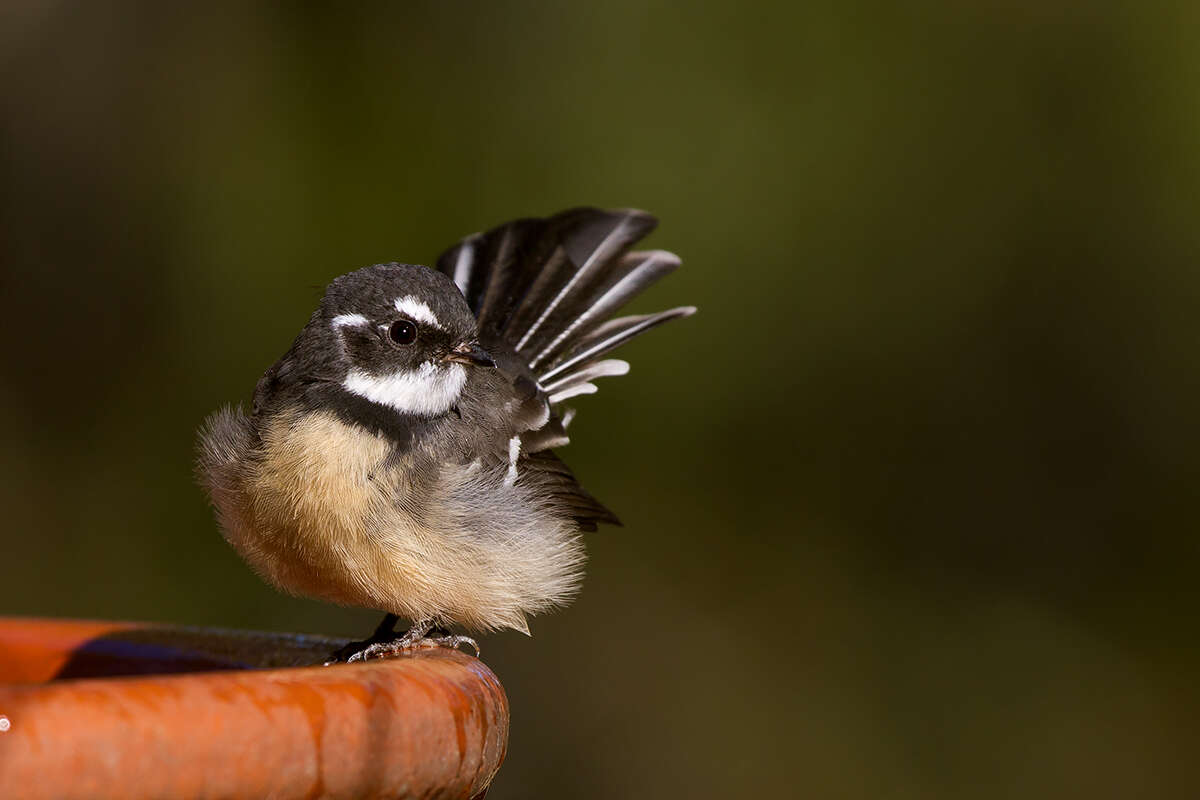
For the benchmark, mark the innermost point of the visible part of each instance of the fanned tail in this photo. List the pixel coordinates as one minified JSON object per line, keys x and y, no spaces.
{"x":549,"y":288}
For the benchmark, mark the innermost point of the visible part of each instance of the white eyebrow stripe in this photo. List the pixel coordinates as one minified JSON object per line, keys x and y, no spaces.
{"x":416,"y":310}
{"x":342,"y":320}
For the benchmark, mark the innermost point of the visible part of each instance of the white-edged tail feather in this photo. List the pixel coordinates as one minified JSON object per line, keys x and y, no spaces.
{"x":574,"y":390}
{"x":600,"y":369}
{"x":464,"y":263}
{"x":648,"y":268}
{"x":607,"y":248}
{"x":610,"y":335}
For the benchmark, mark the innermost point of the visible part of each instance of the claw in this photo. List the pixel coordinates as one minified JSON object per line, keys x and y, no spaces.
{"x":384,"y":643}
{"x":453,"y":641}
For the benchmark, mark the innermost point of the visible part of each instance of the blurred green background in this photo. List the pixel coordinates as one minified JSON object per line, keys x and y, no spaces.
{"x":909,"y":506}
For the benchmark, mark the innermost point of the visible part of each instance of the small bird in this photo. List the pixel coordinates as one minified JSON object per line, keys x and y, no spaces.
{"x":400,"y":456}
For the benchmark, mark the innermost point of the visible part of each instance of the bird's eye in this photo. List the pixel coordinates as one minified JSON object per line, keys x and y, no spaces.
{"x":403,"y":331}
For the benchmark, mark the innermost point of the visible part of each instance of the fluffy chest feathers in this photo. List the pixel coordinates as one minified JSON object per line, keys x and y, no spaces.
{"x":316,"y":474}
{"x":329,"y":509}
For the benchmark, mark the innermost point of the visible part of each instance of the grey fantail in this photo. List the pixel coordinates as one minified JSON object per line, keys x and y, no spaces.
{"x":400,"y":456}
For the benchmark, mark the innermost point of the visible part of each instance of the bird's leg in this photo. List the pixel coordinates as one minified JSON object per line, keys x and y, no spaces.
{"x":384,"y":642}
{"x":390,"y":644}
{"x":386,"y":628}
{"x":384,"y":632}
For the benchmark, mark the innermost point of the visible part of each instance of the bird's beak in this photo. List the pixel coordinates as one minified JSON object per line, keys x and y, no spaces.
{"x":471,"y":353}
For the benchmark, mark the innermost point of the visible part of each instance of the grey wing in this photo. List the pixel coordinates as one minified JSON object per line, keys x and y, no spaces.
{"x":547,"y":470}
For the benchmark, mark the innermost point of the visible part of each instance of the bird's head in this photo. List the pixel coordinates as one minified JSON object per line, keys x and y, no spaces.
{"x":398,"y":335}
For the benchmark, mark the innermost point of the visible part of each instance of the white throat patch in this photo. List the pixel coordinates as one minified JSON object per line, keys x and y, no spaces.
{"x":429,"y":390}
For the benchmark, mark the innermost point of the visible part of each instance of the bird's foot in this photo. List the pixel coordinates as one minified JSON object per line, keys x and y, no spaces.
{"x":385,"y":644}
{"x":407,"y":643}
{"x":441,"y":637}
